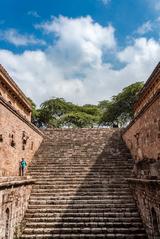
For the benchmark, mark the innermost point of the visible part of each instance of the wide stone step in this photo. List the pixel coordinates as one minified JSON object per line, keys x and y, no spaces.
{"x":83,"y":172}
{"x":83,"y":190}
{"x":87,"y":187}
{"x":105,"y":200}
{"x":99,"y":163}
{"x":84,"y":236}
{"x":86,"y":219}
{"x":104,"y":169}
{"x":39,"y":213}
{"x":68,"y":210}
{"x":107,"y":155}
{"x":36,"y":193}
{"x":73,"y":184}
{"x":79,"y":208}
{"x":45,"y":160}
{"x":85,"y":230}
{"x":85,"y":177}
{"x":70,"y":194}
{"x":80,"y":204}
{"x":79,"y":236}
{"x":87,"y":199}
{"x":80,"y":224}
{"x":90,"y":175}
{"x":79,"y":179}
{"x":83,"y":161}
{"x":96,"y":167}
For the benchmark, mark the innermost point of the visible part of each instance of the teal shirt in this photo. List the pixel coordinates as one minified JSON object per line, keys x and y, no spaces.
{"x":23,"y":164}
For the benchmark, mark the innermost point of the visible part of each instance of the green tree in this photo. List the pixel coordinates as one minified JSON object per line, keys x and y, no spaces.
{"x":78,"y":120}
{"x":90,"y":109}
{"x":35,"y":113}
{"x":119,"y":111}
{"x":51,"y":111}
{"x":102,"y":105}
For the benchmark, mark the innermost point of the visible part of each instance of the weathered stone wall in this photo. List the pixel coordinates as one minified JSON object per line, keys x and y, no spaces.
{"x":143,"y":135}
{"x":14,"y":102}
{"x":18,"y":139}
{"x":147,"y":196}
{"x":10,"y":91}
{"x":143,"y":140}
{"x":14,"y":196}
{"x":151,"y":87}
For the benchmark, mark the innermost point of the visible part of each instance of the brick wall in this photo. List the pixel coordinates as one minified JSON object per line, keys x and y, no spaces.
{"x":10,"y":91}
{"x":18,"y":139}
{"x":147,"y":197}
{"x":143,"y":134}
{"x":142,"y":137}
{"x":14,"y":102}
{"x":151,"y":87}
{"x":14,"y":196}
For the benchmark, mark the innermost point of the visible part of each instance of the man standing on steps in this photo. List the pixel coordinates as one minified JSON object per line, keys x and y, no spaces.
{"x":23,"y":167}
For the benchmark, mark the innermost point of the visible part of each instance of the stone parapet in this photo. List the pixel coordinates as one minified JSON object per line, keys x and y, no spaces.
{"x":14,"y":196}
{"x":14,"y":182}
{"x":147,"y":194}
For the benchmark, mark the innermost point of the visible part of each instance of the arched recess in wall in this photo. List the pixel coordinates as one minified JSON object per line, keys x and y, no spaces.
{"x":156,"y":229}
{"x":7,"y":224}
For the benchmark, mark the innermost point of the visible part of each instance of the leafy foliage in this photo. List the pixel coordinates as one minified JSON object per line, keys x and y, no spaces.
{"x":51,"y":110}
{"x":35,"y":114}
{"x":57,"y":112}
{"x":78,"y":120}
{"x":119,"y":111}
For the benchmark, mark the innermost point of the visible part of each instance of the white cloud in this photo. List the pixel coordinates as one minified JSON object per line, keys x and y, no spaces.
{"x":154,"y":4}
{"x":142,"y":49}
{"x":145,"y":28}
{"x":73,"y":66}
{"x":157,"y":5}
{"x":80,"y":41}
{"x":33,"y":13}
{"x":39,"y":77}
{"x":14,"y":37}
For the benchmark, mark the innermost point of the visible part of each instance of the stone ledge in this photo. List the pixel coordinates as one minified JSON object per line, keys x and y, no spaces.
{"x":8,"y":79}
{"x":14,"y":182}
{"x":143,"y":181}
{"x":148,"y":83}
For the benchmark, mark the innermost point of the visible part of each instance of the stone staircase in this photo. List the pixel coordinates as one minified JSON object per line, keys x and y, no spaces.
{"x":81,"y":191}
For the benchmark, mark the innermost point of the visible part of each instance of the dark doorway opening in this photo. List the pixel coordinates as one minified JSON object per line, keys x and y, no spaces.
{"x":156,"y":232}
{"x":7,"y":224}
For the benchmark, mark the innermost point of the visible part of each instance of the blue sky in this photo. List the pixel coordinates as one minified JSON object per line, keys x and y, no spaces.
{"x":82,"y":50}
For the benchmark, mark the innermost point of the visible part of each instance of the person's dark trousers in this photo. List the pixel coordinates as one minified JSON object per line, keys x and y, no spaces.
{"x":23,"y":171}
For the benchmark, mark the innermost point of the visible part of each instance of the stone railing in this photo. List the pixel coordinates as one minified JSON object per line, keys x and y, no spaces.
{"x":14,"y":196}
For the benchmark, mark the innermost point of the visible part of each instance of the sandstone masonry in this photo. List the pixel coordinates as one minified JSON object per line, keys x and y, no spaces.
{"x":81,"y":177}
{"x":18,"y":139}
{"x":81,"y":189}
{"x":142,"y":137}
{"x":14,"y":195}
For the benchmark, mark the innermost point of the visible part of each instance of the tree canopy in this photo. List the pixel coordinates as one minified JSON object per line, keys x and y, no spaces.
{"x":119,"y":111}
{"x":56,"y":112}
